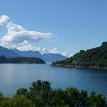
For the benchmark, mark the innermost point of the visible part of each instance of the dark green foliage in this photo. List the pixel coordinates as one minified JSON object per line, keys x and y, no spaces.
{"x":2,"y":59}
{"x":22,"y":91}
{"x":20,"y":101}
{"x":39,"y":90}
{"x":104,"y":44}
{"x":1,"y":95}
{"x":40,"y":94}
{"x":95,"y":100}
{"x":92,"y":58}
{"x":83,"y":98}
{"x":102,"y":63}
{"x":31,"y":60}
{"x":16,"y":101}
{"x":57,"y":98}
{"x":73,"y":97}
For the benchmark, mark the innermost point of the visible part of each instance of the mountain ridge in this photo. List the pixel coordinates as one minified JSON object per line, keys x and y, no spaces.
{"x":47,"y":57}
{"x":7,"y":52}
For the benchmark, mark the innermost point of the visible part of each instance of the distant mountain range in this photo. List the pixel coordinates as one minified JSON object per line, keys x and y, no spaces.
{"x":47,"y":57}
{"x":7,"y":52}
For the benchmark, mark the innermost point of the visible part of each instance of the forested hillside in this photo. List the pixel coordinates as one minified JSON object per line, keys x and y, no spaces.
{"x":91,"y":58}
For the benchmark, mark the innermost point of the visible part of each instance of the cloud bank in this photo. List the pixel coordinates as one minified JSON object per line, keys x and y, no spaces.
{"x":22,"y":39}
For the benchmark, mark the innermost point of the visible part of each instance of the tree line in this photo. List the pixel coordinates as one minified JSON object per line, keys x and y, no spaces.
{"x":40,"y":94}
{"x":3,"y":59}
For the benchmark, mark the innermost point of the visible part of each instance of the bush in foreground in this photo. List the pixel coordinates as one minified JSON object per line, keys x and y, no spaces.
{"x":40,"y":94}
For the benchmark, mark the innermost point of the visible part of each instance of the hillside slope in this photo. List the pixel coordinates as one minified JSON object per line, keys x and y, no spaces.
{"x":91,"y":58}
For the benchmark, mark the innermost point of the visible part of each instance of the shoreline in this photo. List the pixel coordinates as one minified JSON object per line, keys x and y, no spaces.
{"x":78,"y":67}
{"x":22,"y":63}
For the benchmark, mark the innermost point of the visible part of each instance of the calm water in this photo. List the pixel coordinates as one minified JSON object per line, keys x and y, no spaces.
{"x":14,"y":76}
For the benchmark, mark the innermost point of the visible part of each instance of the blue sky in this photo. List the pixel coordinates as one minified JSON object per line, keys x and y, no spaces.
{"x":75,"y":24}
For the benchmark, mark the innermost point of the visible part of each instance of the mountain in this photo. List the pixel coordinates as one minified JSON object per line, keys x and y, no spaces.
{"x":8,"y":53}
{"x":49,"y":57}
{"x":91,"y":58}
{"x":28,"y":53}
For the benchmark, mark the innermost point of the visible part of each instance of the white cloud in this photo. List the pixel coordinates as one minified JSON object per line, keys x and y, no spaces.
{"x":45,"y":50}
{"x":4,"y":20}
{"x":18,"y":34}
{"x":22,"y":39}
{"x":67,"y":54}
{"x":55,"y":51}
{"x":24,"y":46}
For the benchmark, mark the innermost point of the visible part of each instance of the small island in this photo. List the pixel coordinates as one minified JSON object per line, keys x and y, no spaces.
{"x":91,"y":58}
{"x":21,"y":60}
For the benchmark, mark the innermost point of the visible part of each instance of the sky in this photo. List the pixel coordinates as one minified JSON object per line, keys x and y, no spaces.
{"x":56,"y":26}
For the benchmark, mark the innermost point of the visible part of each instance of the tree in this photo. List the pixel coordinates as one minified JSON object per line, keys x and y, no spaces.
{"x":83,"y":98}
{"x":73,"y":97}
{"x":96,"y":100}
{"x":44,"y":96}
{"x":57,"y":98}
{"x":20,"y":101}
{"x":22,"y":91}
{"x":40,"y":87}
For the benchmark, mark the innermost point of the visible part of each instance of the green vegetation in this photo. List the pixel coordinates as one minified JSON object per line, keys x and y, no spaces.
{"x":31,"y":60}
{"x":91,"y":58}
{"x":40,"y":94}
